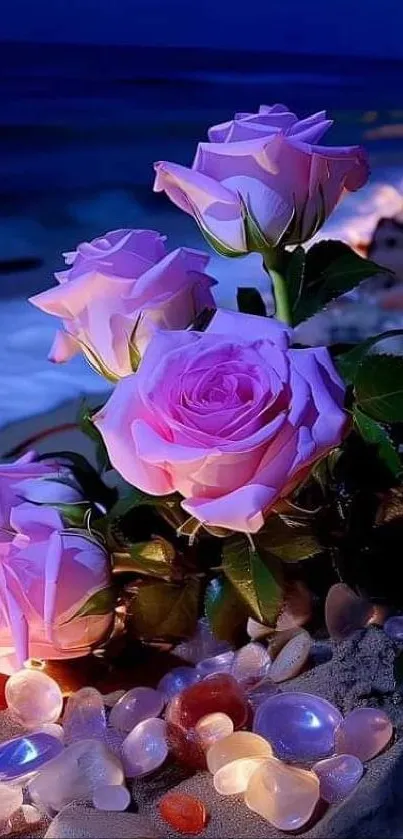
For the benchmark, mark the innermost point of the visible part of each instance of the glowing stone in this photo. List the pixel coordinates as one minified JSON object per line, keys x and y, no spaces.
{"x":338,"y":776}
{"x":393,"y":628}
{"x":365,"y":732}
{"x":112,"y":798}
{"x":213,"y":727}
{"x":22,"y":756}
{"x":345,"y":611}
{"x":84,"y":717}
{"x":202,"y":645}
{"x":251,"y":663}
{"x":291,"y":658}
{"x":53,"y":729}
{"x":136,"y":705}
{"x":300,"y":726}
{"x":185,"y":813}
{"x":33,"y":698}
{"x":219,"y":693}
{"x":233,"y":778}
{"x":217,"y":664}
{"x":283,"y":795}
{"x":145,"y":748}
{"x":177,"y":680}
{"x":241,"y":744}
{"x":75,"y":775}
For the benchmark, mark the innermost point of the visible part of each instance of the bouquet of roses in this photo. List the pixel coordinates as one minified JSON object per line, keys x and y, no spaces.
{"x":254,"y":469}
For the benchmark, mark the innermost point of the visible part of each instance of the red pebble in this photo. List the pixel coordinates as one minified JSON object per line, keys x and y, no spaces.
{"x":217,"y":693}
{"x":186,"y":746}
{"x":183,"y":812}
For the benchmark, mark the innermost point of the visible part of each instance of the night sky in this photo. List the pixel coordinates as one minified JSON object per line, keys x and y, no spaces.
{"x":363,"y":27}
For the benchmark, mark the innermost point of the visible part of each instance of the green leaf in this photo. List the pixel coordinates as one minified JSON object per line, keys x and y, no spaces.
{"x":73,"y":514}
{"x":290,"y":540}
{"x":226,"y":612}
{"x":101,"y":603}
{"x":87,"y":427}
{"x":134,"y":498}
{"x":372,"y":432}
{"x":165,"y":610}
{"x":348,"y":363}
{"x":332,"y":268}
{"x":250,"y":302}
{"x":268,"y":590}
{"x":379,"y":387}
{"x":255,"y":583}
{"x":294,"y":275}
{"x":154,"y":558}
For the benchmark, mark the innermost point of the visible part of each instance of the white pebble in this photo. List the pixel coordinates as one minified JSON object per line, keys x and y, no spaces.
{"x":33,"y":698}
{"x":115,"y":798}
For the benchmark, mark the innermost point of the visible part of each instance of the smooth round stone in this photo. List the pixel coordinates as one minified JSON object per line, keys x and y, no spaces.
{"x":217,"y":664}
{"x":240,"y":744}
{"x":257,"y":630}
{"x":31,"y":814}
{"x":136,"y":705}
{"x":260,"y":692}
{"x":112,"y":798}
{"x":33,"y":698}
{"x":345,"y":611}
{"x":283,"y":795}
{"x":233,"y":778}
{"x":291,"y":658}
{"x":338,"y":776}
{"x":185,"y":813}
{"x":365,"y":732}
{"x":299,"y":726}
{"x":393,"y":628}
{"x":53,"y":729}
{"x":22,"y":756}
{"x":251,"y":663}
{"x":145,"y":748}
{"x":84,"y":717}
{"x":176,"y":681}
{"x":75,"y":775}
{"x":213,"y":727}
{"x":11,"y":799}
{"x":219,"y":693}
{"x":110,"y":699}
{"x":186,"y":746}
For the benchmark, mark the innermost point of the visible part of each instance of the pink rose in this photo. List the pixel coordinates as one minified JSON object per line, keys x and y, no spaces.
{"x":46,"y":575}
{"x":269,"y":164}
{"x":42,"y":481}
{"x":117,"y":282}
{"x":232,"y":418}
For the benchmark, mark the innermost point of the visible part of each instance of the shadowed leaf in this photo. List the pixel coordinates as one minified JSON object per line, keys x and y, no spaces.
{"x":225,"y":610}
{"x":165,"y":610}
{"x":379,"y":387}
{"x":372,"y":432}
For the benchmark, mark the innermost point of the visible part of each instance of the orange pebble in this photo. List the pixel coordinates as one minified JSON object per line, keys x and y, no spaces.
{"x":183,"y":812}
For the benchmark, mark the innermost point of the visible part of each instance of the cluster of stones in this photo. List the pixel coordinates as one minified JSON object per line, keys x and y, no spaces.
{"x":283,"y":750}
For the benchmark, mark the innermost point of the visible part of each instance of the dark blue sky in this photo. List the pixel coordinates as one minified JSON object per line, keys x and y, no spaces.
{"x":359,"y":27}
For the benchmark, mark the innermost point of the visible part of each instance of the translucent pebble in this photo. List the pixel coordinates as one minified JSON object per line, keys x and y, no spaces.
{"x":240,"y":744}
{"x":10,"y":800}
{"x":75,"y":775}
{"x":217,"y":664}
{"x":202,"y":645}
{"x":136,"y":705}
{"x":338,"y":776}
{"x":345,"y":611}
{"x":233,"y":778}
{"x":300,"y":726}
{"x":283,"y":795}
{"x":251,"y":663}
{"x":110,"y":699}
{"x":393,"y":628}
{"x":365,"y":732}
{"x":113,"y":798}
{"x":84,"y":717}
{"x":258,"y":693}
{"x":292,"y":658}
{"x":177,"y":680}
{"x":257,"y":630}
{"x":185,"y":813}
{"x":33,"y":698}
{"x":31,"y":814}
{"x":145,"y":748}
{"x":213,"y":727}
{"x":219,"y":693}
{"x":22,"y":756}
{"x":53,"y":729}
{"x":114,"y":740}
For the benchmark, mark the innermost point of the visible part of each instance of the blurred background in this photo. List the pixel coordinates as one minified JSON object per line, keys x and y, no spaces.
{"x":94,"y":91}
